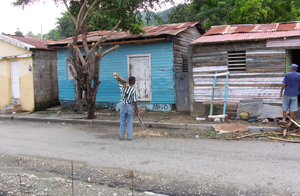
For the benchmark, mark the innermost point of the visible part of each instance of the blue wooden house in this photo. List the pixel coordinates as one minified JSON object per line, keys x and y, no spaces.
{"x":157,"y":58}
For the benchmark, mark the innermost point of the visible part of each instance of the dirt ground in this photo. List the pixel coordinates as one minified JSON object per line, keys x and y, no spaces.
{"x":173,"y":117}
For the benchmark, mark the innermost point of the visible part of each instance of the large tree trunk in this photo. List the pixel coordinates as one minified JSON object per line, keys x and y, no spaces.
{"x":86,"y":69}
{"x":91,"y":110}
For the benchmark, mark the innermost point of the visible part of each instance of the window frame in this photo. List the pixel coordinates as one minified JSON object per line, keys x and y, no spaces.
{"x":236,"y":61}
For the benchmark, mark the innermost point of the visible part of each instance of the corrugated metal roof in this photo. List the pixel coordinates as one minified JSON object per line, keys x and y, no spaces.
{"x":244,"y":29}
{"x":33,"y":42}
{"x":287,"y":27}
{"x":217,"y":30}
{"x":250,"y":32}
{"x":266,"y":27}
{"x":151,"y":31}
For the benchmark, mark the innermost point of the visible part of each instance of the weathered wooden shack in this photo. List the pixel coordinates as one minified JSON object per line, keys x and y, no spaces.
{"x":157,"y":58}
{"x":257,"y":57}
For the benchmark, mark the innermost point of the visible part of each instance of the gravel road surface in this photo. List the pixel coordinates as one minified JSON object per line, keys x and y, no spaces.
{"x":42,"y":153}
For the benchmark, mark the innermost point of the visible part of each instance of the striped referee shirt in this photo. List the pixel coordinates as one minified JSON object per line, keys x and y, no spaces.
{"x":128,"y":94}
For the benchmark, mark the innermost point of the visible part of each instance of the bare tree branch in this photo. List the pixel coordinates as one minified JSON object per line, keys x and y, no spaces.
{"x":106,"y":37}
{"x":99,"y":51}
{"x":87,"y":12}
{"x":73,"y":73}
{"x":80,"y":55}
{"x":72,"y":17}
{"x":101,"y":10}
{"x":79,"y":16}
{"x":109,"y":50}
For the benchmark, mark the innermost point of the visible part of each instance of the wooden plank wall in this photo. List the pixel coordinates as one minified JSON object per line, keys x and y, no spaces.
{"x":181,"y":43}
{"x":180,"y":48}
{"x":265,"y":69}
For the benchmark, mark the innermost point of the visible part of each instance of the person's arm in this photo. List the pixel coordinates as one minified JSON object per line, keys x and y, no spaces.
{"x":136,"y":108}
{"x":282,"y":88}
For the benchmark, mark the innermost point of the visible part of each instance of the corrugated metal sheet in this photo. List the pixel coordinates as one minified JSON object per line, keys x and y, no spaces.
{"x":33,"y":42}
{"x":232,"y":33}
{"x":151,"y":31}
{"x":244,"y":29}
{"x":283,"y":42}
{"x":217,"y":30}
{"x":266,"y":27}
{"x":246,"y":36}
{"x":287,"y":27}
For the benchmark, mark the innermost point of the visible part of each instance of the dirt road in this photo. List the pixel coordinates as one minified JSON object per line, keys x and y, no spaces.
{"x":164,"y":165}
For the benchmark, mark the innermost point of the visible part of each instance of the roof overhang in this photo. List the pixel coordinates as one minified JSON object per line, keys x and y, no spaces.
{"x":16,"y":42}
{"x":16,"y":57}
{"x":152,"y":34}
{"x":133,"y":41}
{"x":245,"y":37}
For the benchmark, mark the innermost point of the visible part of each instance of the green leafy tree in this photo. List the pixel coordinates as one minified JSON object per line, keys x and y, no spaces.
{"x":18,"y":32}
{"x":265,"y":11}
{"x":29,"y":34}
{"x":223,"y":12}
{"x":65,"y":26}
{"x":53,"y":34}
{"x":182,"y":13}
{"x":212,"y":12}
{"x":86,"y":68}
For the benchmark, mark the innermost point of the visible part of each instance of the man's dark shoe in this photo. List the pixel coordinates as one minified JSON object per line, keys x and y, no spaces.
{"x":121,"y":138}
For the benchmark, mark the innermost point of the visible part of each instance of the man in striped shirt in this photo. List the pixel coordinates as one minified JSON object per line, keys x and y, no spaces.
{"x":128,"y":101}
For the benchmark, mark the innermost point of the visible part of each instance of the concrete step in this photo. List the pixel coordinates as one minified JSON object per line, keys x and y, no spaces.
{"x":11,"y":108}
{"x":6,"y":111}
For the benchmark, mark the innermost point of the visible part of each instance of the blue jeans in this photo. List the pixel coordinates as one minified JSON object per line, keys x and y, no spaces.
{"x":126,"y":114}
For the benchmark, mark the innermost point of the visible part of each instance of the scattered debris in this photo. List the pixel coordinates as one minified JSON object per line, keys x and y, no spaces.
{"x":252,"y":106}
{"x":270,"y":111}
{"x":217,"y":120}
{"x":197,"y":118}
{"x":230,"y":128}
{"x":244,"y":115}
{"x":290,"y":133}
{"x":265,"y":121}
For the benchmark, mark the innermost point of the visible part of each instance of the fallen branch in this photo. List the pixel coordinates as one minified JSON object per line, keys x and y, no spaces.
{"x":293,"y":121}
{"x":243,"y":136}
{"x":249,"y":135}
{"x":286,"y":140}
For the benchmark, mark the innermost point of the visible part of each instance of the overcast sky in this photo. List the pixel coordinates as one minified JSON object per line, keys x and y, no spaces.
{"x":35,"y":18}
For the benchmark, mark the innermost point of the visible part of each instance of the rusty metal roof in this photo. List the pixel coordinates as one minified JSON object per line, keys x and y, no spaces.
{"x":287,"y":27}
{"x":34,"y":42}
{"x":248,"y":32}
{"x":151,"y":31}
{"x":244,"y":29}
{"x":217,"y":30}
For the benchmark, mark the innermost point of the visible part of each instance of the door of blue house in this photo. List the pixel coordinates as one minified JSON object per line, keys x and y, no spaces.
{"x":140,"y":67}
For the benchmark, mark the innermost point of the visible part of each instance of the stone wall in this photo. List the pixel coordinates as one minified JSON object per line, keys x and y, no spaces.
{"x":45,"y":79}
